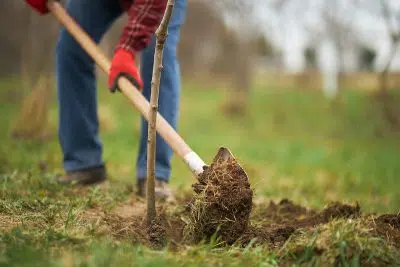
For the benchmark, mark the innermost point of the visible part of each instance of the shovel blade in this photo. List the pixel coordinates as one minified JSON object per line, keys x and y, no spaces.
{"x":227,"y":164}
{"x":224,"y":155}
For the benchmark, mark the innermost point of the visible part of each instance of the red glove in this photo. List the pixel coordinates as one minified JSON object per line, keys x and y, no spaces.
{"x":123,"y":64}
{"x":39,"y":5}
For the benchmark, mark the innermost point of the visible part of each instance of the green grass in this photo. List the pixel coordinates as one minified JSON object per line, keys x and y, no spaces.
{"x":293,"y":144}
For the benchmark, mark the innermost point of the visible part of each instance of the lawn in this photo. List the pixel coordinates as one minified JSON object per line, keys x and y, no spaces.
{"x":293,"y":144}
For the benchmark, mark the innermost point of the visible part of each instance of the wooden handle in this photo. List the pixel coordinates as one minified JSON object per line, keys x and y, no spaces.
{"x":128,"y":89}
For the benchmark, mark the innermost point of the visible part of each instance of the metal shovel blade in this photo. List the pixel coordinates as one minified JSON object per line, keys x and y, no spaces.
{"x":227,"y":166}
{"x":224,"y":155}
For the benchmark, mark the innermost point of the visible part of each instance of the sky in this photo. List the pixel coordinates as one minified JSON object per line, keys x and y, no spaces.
{"x":293,"y":25}
{"x":296,"y":24}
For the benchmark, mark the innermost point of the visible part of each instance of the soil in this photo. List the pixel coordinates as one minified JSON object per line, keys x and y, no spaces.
{"x":128,"y":221}
{"x":224,"y":208}
{"x":156,"y":233}
{"x":388,"y":226}
{"x":280,"y":221}
{"x":222,"y":203}
{"x":272,"y":224}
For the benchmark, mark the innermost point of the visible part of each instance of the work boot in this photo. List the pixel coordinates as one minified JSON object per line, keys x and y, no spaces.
{"x":88,"y":176}
{"x":162,"y":190}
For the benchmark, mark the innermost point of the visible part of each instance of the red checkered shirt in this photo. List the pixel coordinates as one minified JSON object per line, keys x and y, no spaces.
{"x":144,"y":19}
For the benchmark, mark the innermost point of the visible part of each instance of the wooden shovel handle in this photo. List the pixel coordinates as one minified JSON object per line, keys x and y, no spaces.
{"x":128,"y":89}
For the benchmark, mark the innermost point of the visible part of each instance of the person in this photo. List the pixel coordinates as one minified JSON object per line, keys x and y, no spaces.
{"x":76,"y":84}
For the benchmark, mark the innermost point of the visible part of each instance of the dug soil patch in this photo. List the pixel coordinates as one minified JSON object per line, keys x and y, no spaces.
{"x":284,"y":227}
{"x":270,"y":224}
{"x":274,"y":223}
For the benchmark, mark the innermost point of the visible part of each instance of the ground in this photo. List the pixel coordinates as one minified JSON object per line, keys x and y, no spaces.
{"x":324,"y":178}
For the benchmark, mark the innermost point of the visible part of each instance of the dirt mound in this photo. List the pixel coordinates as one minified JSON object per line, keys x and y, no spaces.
{"x":279,"y":221}
{"x":282,"y":212}
{"x":271,"y":224}
{"x":388,"y":226}
{"x":222,"y":203}
{"x":391,"y":219}
{"x":287,"y":212}
{"x":270,"y":236}
{"x":290,"y":230}
{"x":156,"y":233}
{"x":334,"y":210}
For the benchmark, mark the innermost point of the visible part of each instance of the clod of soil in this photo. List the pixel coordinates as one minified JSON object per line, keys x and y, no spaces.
{"x":388,"y":226}
{"x":392,"y":219}
{"x":272,"y":237}
{"x":280,"y":221}
{"x":222,"y":203}
{"x":333,"y":211}
{"x":157,"y":234}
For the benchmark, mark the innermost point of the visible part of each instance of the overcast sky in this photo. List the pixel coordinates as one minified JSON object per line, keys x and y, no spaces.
{"x":280,"y":19}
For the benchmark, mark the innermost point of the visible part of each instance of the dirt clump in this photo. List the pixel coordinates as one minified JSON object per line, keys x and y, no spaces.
{"x":339,"y":210}
{"x":278,"y":221}
{"x":221,"y":205}
{"x":391,"y":219}
{"x":334,"y":210}
{"x":156,"y":233}
{"x":388,"y":227}
{"x":288,"y":213}
{"x":272,"y":237}
{"x":283,"y":212}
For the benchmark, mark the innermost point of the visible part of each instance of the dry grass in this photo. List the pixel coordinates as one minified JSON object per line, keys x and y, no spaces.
{"x":32,"y":122}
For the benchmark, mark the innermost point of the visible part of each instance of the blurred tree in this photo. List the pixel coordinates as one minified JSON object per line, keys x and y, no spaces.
{"x":393,"y":27}
{"x":238,"y":16}
{"x":221,"y":49}
{"x":339,"y":35}
{"x":367,"y":59}
{"x":200,"y":42}
{"x":29,"y":55}
{"x":261,"y":46}
{"x":11,"y":36}
{"x":392,"y":20}
{"x":311,"y":58}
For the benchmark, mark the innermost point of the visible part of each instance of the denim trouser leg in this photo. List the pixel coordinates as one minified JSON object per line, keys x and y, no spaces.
{"x":168,"y":98}
{"x":76,"y":85}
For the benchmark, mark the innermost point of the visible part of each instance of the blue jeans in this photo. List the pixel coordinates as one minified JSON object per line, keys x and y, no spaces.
{"x":77,"y":94}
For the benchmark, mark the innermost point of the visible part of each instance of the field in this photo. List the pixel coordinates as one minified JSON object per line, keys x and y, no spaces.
{"x":325,"y":181}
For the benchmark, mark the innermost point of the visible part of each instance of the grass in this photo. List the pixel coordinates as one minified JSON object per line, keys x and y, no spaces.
{"x":343,"y":242}
{"x":293,"y":144}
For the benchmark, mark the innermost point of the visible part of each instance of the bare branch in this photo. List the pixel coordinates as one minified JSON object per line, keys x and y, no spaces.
{"x":386,"y":15}
{"x":394,"y":37}
{"x":161,"y":36}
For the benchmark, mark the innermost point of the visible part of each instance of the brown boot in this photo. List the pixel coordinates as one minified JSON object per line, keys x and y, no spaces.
{"x":84,"y":177}
{"x":162,"y":190}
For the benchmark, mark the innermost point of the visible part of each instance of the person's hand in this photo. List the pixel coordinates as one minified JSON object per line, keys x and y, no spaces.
{"x":123,"y":64}
{"x":39,"y":5}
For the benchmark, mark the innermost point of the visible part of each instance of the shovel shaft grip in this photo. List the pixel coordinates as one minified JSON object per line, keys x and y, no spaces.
{"x":134,"y":96}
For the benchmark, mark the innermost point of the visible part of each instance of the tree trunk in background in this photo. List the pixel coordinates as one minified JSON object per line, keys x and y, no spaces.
{"x":36,"y":75}
{"x":383,"y":92}
{"x":328,"y":63}
{"x":239,"y":92}
{"x":32,"y":121}
{"x":27,"y":60}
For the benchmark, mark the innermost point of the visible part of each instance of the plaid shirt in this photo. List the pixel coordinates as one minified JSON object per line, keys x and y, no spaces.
{"x":144,"y":18}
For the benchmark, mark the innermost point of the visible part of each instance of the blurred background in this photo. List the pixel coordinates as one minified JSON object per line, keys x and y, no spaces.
{"x":317,"y":44}
{"x":304,"y":92}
